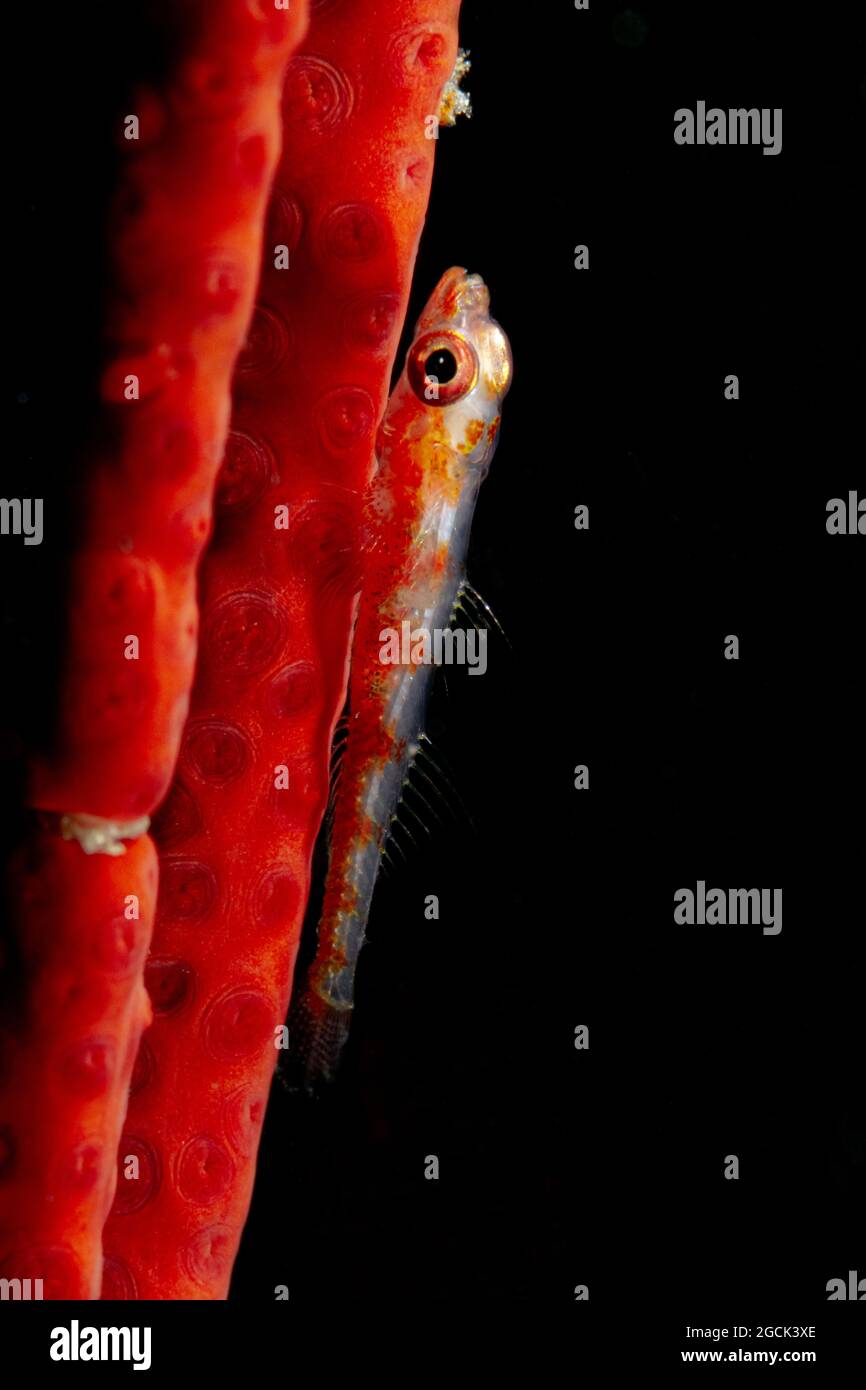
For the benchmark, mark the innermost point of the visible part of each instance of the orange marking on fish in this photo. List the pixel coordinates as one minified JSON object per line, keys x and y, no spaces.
{"x":433,"y":449}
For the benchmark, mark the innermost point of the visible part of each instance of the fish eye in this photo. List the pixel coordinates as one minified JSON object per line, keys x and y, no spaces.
{"x":441,"y":364}
{"x":442,"y":368}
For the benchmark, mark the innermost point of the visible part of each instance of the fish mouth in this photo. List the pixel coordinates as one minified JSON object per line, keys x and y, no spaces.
{"x":457,"y":295}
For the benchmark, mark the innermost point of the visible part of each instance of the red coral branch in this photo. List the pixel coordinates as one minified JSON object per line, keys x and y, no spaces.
{"x":188,"y":221}
{"x":278,"y":593}
{"x":67,"y":1057}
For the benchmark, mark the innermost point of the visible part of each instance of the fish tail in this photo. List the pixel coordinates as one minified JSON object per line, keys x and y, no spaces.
{"x":318,"y":1031}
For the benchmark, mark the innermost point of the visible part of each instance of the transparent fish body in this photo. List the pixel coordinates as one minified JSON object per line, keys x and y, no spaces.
{"x":434,"y":448}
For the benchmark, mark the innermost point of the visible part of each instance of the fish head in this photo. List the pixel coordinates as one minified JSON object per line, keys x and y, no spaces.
{"x":459,"y":368}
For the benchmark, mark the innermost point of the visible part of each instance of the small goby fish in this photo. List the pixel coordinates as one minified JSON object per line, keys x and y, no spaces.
{"x":434,"y":448}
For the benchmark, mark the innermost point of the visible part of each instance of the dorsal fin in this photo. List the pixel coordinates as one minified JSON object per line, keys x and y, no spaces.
{"x":427,"y":793}
{"x":477,"y":609}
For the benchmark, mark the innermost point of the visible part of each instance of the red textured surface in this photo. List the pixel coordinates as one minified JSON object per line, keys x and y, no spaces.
{"x":186,"y":240}
{"x":349,"y":202}
{"x":187,"y":229}
{"x":67,"y":1057}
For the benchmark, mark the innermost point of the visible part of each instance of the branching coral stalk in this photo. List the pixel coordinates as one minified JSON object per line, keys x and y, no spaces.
{"x":278,"y":591}
{"x":197,"y":161}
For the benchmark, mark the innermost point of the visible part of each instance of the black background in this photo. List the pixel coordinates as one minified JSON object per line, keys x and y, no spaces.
{"x":707,"y":517}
